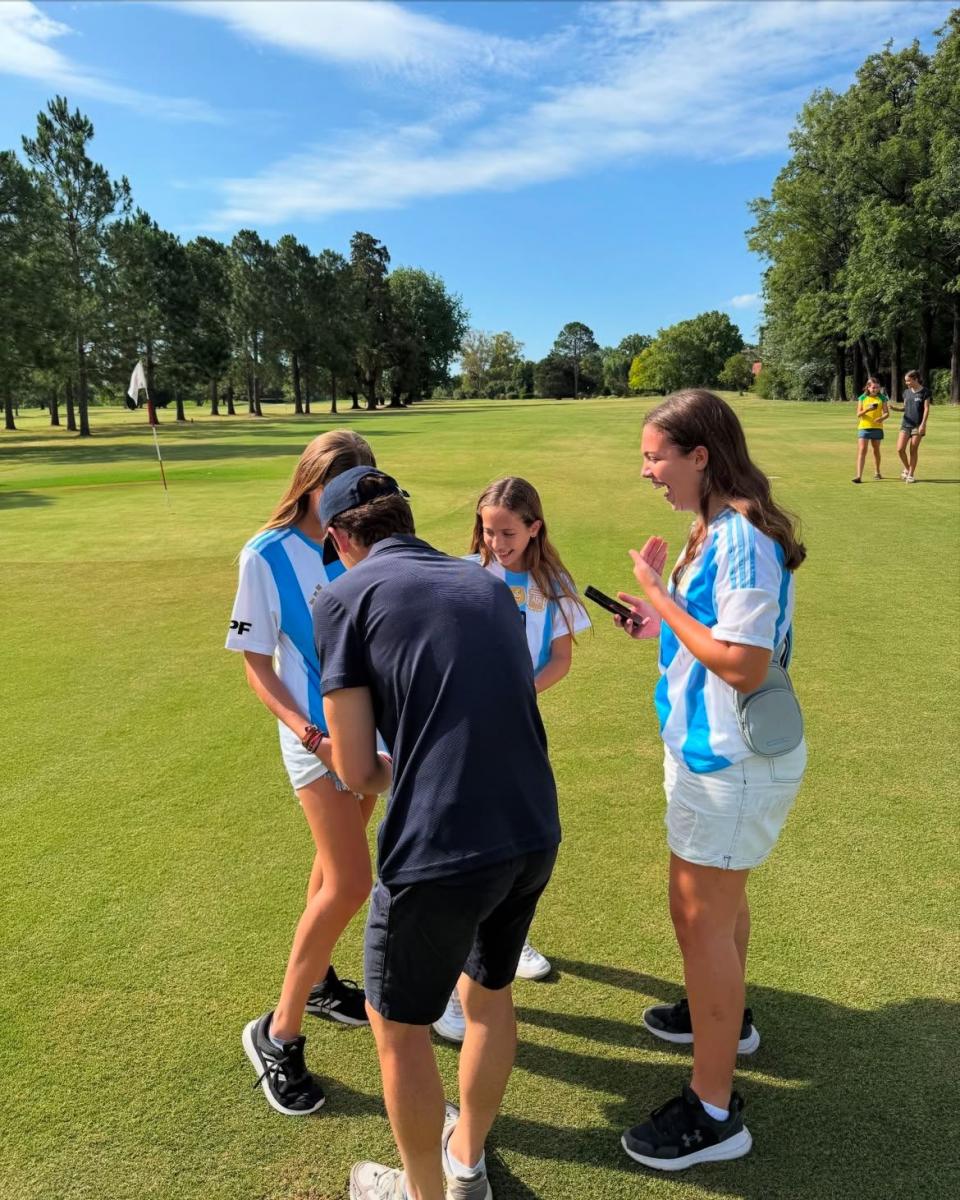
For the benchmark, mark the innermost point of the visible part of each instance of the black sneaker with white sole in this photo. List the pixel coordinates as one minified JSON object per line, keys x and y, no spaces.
{"x":671,"y":1023}
{"x":340,"y":999}
{"x":281,"y":1071}
{"x":681,"y":1134}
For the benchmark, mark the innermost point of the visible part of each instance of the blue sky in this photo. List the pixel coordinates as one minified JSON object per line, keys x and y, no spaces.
{"x":551,"y":161}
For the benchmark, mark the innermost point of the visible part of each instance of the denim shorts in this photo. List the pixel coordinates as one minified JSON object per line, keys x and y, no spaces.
{"x":870,"y":435}
{"x":302,"y":766}
{"x":730,"y":818}
{"x":421,"y":936}
{"x":910,"y":430}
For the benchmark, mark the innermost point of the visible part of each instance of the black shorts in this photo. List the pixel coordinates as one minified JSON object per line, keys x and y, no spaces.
{"x":421,"y":936}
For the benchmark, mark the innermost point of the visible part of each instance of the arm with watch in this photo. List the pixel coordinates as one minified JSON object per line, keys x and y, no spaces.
{"x":265,"y":682}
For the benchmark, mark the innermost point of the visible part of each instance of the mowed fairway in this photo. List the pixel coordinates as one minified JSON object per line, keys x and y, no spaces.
{"x":154,"y":862}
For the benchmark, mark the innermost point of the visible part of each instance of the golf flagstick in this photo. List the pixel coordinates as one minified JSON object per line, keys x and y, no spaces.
{"x":138,"y":383}
{"x":163,"y":476}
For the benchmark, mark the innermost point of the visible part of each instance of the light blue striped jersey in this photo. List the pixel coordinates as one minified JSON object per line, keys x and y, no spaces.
{"x":738,"y":586}
{"x":543,"y":620}
{"x":281,"y":572}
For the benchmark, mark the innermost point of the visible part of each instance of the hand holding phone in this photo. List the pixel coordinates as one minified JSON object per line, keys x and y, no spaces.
{"x":611,"y":605}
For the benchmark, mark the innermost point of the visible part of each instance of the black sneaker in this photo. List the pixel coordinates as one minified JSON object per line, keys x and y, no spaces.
{"x":681,"y":1133}
{"x":341,"y":999}
{"x":282,"y":1073}
{"x":671,"y":1022}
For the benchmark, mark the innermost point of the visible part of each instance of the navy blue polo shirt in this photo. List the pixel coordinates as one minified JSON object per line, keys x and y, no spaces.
{"x":440,"y":644}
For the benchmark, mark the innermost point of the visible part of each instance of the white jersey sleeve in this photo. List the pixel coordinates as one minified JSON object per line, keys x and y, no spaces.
{"x":752,"y":585}
{"x":255,"y":620}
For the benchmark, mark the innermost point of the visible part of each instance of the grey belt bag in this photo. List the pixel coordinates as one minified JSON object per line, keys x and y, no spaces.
{"x":770,"y":719}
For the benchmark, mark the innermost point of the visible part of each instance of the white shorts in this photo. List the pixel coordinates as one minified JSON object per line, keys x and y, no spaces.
{"x":730,"y":818}
{"x":302,"y":766}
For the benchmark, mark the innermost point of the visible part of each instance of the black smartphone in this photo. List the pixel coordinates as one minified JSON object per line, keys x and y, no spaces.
{"x":614,"y":606}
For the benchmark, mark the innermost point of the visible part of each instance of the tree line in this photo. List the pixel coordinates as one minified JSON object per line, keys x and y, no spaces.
{"x":89,"y":285}
{"x":861,"y":232}
{"x":706,"y":350}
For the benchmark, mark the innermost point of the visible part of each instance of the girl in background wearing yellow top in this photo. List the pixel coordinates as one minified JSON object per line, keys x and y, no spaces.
{"x":873,"y":408}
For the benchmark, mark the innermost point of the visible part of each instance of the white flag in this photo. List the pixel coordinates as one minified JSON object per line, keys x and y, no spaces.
{"x":138,"y":380}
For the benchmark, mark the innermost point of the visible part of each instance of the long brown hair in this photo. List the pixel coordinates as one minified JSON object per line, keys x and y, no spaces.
{"x":328,"y":455}
{"x":543,"y":562}
{"x":696,"y":417}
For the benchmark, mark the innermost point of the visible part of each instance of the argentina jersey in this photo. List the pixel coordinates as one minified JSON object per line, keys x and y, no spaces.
{"x":542,"y":618}
{"x":281,"y":571}
{"x":738,"y":586}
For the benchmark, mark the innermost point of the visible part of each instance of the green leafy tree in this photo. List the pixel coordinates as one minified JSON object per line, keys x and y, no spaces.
{"x":476,"y":355}
{"x":293,"y":286}
{"x":428,"y":328}
{"x":654,"y":370}
{"x":137,"y":291}
{"x":20,"y":293}
{"x":506,"y":357}
{"x":573,"y":343}
{"x":369,"y":261}
{"x":251,"y":261}
{"x":209,"y":264}
{"x":336,"y":323}
{"x":82,"y":199}
{"x":937,"y":195}
{"x":737,"y":374}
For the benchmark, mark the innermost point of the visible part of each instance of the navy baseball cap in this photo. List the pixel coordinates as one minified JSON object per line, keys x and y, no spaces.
{"x":345,"y":491}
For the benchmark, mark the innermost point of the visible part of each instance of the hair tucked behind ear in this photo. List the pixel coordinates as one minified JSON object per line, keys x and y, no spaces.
{"x":697,"y":417}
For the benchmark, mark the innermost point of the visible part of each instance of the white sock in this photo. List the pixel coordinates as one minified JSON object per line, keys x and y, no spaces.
{"x":278,"y":1042}
{"x":460,"y":1170}
{"x":718,"y":1114}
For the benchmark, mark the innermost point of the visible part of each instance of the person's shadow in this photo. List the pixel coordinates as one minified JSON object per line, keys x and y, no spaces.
{"x":841,"y":1102}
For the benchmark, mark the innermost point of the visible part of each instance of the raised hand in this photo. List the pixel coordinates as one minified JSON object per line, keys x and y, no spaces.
{"x":648,"y":565}
{"x":655,"y":553}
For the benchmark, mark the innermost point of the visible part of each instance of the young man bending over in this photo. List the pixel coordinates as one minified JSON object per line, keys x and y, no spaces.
{"x":431,"y":651}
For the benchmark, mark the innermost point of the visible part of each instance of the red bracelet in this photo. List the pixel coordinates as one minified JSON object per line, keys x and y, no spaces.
{"x":312,"y":737}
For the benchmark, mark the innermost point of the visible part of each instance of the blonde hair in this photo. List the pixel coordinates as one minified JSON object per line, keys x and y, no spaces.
{"x":328,"y":455}
{"x":544,"y":563}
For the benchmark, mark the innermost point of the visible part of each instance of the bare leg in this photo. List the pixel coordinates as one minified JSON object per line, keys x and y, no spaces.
{"x":705,"y":904}
{"x":338,"y":826}
{"x":876,"y":455}
{"x":741,"y":932}
{"x":486,"y":1060}
{"x":914,"y":454}
{"x":861,"y":455}
{"x":902,"y":440}
{"x":414,"y":1097}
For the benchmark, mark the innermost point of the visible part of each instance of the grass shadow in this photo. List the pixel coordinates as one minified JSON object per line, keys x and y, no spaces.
{"x":23,"y":500}
{"x":824,"y":1094}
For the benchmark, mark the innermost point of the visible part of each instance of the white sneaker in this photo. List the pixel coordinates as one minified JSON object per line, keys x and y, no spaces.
{"x":532,"y":964}
{"x":374,"y":1181}
{"x":476,"y":1186}
{"x":910,"y":479}
{"x":452,"y":1026}
{"x":904,"y":473}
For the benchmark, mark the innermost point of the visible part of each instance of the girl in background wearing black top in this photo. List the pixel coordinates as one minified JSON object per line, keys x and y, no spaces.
{"x":916,"y":409}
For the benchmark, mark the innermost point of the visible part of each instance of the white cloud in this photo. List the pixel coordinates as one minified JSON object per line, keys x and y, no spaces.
{"x":372,"y":33}
{"x":710,"y":81}
{"x":27,"y":35}
{"x":747,"y":300}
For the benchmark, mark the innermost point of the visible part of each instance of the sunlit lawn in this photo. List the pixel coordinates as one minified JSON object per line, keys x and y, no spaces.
{"x":154,"y":862}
